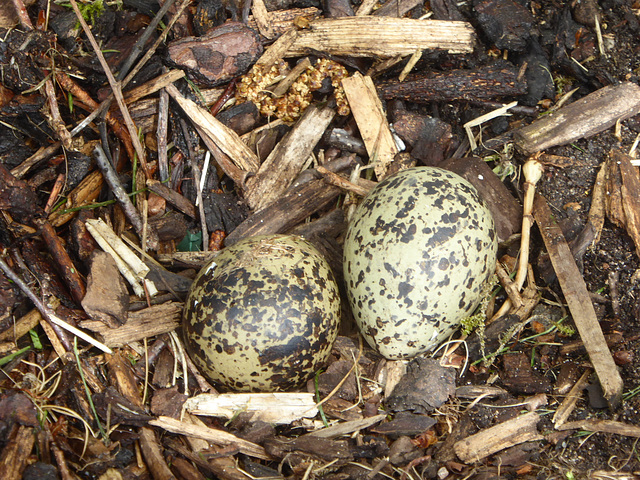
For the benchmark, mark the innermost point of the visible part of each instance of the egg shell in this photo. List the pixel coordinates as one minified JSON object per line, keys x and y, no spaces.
{"x":263,"y":315}
{"x":417,"y":252}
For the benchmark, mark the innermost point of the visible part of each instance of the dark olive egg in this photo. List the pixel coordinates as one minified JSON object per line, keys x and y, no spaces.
{"x":263,"y":315}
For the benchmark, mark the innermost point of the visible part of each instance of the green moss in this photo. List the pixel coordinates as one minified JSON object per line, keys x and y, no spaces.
{"x":90,"y":10}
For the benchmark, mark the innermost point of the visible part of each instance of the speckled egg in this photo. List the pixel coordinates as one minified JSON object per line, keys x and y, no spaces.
{"x":416,"y":254}
{"x":263,"y":315}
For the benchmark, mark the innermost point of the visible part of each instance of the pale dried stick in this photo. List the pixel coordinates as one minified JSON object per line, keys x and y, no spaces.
{"x":46,"y":311}
{"x":532,"y":171}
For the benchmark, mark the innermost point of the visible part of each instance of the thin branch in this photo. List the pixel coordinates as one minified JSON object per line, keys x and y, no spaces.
{"x":117,"y":91}
{"x":46,"y":312}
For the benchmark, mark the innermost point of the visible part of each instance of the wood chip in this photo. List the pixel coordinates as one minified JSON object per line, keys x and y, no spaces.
{"x":219,"y":437}
{"x":148,"y":322}
{"x":605,"y":426}
{"x":226,"y":139}
{"x":583,"y":118}
{"x":372,"y":121}
{"x":346,"y":428}
{"x":287,"y":159}
{"x":372,"y":36}
{"x":279,"y":408}
{"x":577,"y":297}
{"x":504,"y":435}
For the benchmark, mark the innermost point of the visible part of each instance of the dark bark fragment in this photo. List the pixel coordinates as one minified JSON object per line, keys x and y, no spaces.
{"x":482,"y":83}
{"x":223,"y":53}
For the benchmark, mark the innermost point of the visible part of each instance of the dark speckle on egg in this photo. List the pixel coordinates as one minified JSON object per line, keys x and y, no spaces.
{"x":263,"y":315}
{"x":425,"y":235}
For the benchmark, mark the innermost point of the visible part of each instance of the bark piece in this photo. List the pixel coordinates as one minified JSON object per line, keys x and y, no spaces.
{"x":577,"y":297}
{"x":372,"y":121}
{"x":148,"y":322}
{"x":288,"y":158}
{"x":581,"y":119}
{"x":429,"y":138}
{"x":396,"y":8}
{"x":107,"y":298}
{"x":286,"y":212}
{"x":371,"y":36}
{"x":507,"y":23}
{"x":405,"y":423}
{"x":623,"y":194}
{"x":168,"y":401}
{"x":111,"y":404}
{"x":425,"y":387}
{"x":519,"y":376}
{"x":489,"y":82}
{"x":505,"y":209}
{"x":224,"y":53}
{"x":504,"y":435}
{"x":15,"y":455}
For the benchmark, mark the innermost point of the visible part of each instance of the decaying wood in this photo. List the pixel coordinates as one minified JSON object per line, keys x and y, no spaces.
{"x":287,"y":211}
{"x":481,"y":83}
{"x":288,"y":158}
{"x":504,"y":435}
{"x":15,"y":454}
{"x":372,"y":121}
{"x":341,"y":182}
{"x":134,"y":216}
{"x":347,"y":428}
{"x":219,"y":437}
{"x":372,"y":36}
{"x":127,"y":386}
{"x":281,"y":21}
{"x":225,"y":138}
{"x":153,"y":86}
{"x":505,"y":209}
{"x":42,"y":154}
{"x":84,"y":194}
{"x":278,"y":408}
{"x":577,"y":297}
{"x":278,"y":49}
{"x":581,"y":119}
{"x":22,"y":326}
{"x":151,"y":321}
{"x":605,"y":426}
{"x":173,"y":197}
{"x":598,"y":200}
{"x":130,"y":266}
{"x":623,"y":194}
{"x":262,"y":19}
{"x":571,"y":400}
{"x":186,"y":259}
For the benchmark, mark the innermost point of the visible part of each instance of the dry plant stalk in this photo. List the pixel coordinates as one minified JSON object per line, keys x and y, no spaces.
{"x":372,"y":36}
{"x":532,"y":171}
